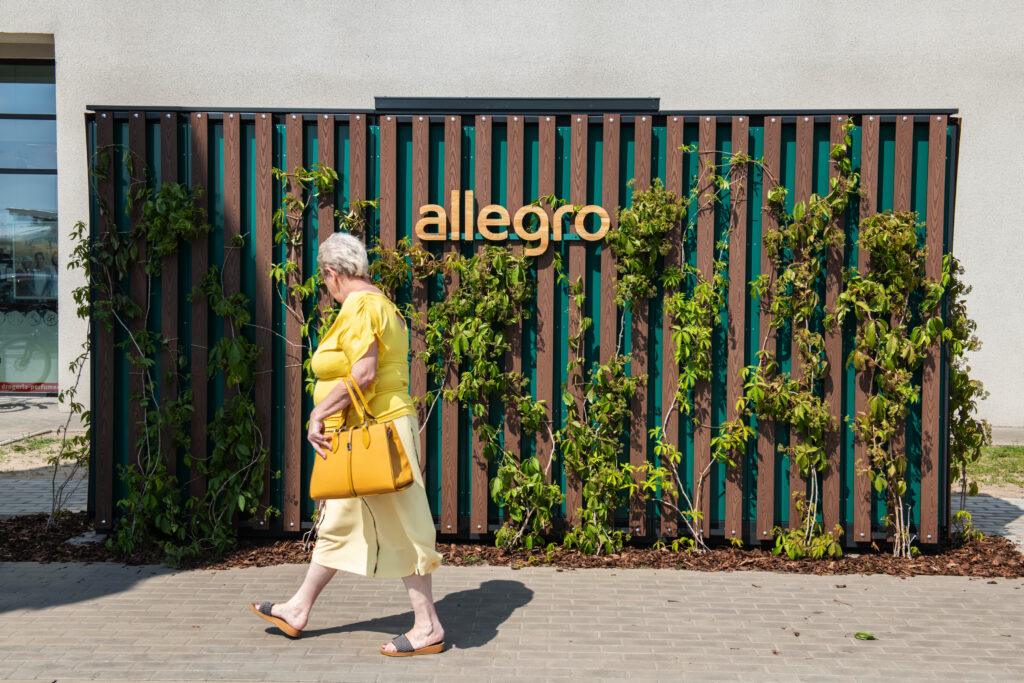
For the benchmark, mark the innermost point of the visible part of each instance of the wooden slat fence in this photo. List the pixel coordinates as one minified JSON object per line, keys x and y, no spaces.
{"x":407,"y":161}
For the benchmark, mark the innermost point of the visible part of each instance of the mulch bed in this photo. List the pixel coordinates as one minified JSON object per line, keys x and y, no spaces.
{"x":26,"y":539}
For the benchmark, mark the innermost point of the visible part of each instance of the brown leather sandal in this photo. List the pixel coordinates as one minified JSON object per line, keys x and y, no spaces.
{"x":262,"y":610}
{"x":403,"y":648}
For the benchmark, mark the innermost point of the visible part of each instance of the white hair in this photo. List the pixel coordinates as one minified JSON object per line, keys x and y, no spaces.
{"x":344,"y":254}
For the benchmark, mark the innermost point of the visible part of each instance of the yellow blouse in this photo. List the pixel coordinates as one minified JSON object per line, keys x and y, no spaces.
{"x":365,"y":317}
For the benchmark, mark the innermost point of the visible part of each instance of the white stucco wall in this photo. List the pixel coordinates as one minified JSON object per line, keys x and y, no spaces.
{"x":693,"y":55}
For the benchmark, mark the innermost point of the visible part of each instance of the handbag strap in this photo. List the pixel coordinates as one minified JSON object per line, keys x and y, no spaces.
{"x":362,"y":398}
{"x":357,"y":399}
{"x":353,"y":401}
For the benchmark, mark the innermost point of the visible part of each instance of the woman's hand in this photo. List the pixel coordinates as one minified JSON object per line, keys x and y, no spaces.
{"x":320,"y":441}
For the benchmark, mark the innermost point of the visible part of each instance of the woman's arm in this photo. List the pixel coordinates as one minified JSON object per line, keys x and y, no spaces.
{"x":363,"y":372}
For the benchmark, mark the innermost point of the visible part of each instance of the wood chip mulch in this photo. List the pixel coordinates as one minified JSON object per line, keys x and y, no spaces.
{"x":26,"y":539}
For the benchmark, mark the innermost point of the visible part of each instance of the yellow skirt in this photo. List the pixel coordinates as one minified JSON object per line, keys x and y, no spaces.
{"x":387,"y":536}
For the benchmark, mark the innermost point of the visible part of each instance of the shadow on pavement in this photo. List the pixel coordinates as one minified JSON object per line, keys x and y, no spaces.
{"x":994,"y":515}
{"x":31,"y":585}
{"x":471,"y":617}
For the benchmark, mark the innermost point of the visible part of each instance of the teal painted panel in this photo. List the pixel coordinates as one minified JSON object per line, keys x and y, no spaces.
{"x":215,"y":244}
{"x":918,"y":203}
{"x":279,"y":160}
{"x":310,"y":244}
{"x":691,"y":173}
{"x":595,"y":179}
{"x":563,"y":170}
{"x":846,"y":442}
{"x":121,"y":368}
{"x":531,"y":163}
{"x":755,"y":197}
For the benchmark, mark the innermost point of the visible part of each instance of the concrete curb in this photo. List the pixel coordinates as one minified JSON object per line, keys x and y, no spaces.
{"x":8,"y":442}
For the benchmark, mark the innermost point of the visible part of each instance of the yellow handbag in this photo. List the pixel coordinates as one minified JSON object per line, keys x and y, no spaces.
{"x":365,"y":460}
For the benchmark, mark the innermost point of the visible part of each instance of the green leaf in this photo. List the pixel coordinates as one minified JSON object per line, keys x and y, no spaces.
{"x":864,"y":635}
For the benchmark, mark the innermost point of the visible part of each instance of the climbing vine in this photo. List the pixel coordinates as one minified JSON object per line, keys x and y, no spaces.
{"x":590,"y":438}
{"x":968,"y":434}
{"x":305,"y":299}
{"x":789,"y":292}
{"x":892,"y":342}
{"x":897,"y":312}
{"x":488,"y":295}
{"x":692,"y":303}
{"x":154,"y":511}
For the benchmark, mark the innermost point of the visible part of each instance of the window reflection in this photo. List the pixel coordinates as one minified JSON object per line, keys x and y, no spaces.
{"x":28,"y":229}
{"x":27,"y":88}
{"x":28,"y":143}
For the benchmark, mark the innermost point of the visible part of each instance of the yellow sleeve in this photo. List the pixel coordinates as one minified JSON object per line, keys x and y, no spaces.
{"x":365,"y":325}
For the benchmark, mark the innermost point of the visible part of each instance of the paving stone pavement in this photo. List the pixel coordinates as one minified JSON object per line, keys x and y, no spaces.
{"x":23,"y":415}
{"x":996,"y":516}
{"x":111,"y":622}
{"x":30,"y":495}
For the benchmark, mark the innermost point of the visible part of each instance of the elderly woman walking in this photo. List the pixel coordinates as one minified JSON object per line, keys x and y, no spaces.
{"x":389,"y":535}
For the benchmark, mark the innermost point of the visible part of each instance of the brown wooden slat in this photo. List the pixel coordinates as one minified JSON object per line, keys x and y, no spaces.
{"x":325,"y":156}
{"x":325,"y":202}
{"x":868,"y":206}
{"x":293,"y":354}
{"x":766,"y":454}
{"x":546,"y":293}
{"x":137,"y":404}
{"x":264,"y":295}
{"x":482,"y":165}
{"x":705,"y":257}
{"x":737,"y":337}
{"x":931,"y":399}
{"x":803,"y":180}
{"x":420,"y":178}
{"x":232,"y":201}
{"x":902,"y":182}
{"x":482,"y":192}
{"x":802,"y":191}
{"x":669,"y":366}
{"x":831,"y":495}
{"x":903,"y":167}
{"x":642,"y":152}
{"x":103,"y":163}
{"x":232,"y":208}
{"x":577,"y":271}
{"x":514,"y":178}
{"x":610,"y":201}
{"x":200,"y":338}
{"x":514,"y":201}
{"x":169,"y":302}
{"x":388,"y":181}
{"x":357,"y":159}
{"x":641,"y":331}
{"x":450,"y":409}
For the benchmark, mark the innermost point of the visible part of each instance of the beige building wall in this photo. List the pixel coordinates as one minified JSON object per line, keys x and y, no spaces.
{"x":693,"y":55}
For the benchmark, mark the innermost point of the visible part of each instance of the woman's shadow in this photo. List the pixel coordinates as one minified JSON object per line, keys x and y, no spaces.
{"x":478,"y":613}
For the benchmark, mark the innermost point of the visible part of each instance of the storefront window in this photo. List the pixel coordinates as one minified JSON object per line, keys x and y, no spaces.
{"x":28,"y":228}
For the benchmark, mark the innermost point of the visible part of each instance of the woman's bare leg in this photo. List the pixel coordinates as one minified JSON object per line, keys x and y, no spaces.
{"x":426,"y":629}
{"x":296,"y":610}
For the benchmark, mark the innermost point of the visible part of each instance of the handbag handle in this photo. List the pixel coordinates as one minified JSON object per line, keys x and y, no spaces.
{"x":362,"y":398}
{"x":353,"y":402}
{"x":357,"y":399}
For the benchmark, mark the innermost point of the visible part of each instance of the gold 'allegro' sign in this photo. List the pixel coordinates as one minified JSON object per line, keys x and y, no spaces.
{"x":493,"y":221}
